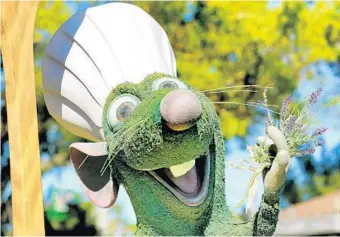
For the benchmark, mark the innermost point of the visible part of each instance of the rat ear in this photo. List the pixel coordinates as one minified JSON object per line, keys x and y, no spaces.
{"x":88,"y":159}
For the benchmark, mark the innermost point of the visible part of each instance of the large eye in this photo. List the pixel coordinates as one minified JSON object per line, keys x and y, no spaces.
{"x":121,"y":108}
{"x":167,"y":82}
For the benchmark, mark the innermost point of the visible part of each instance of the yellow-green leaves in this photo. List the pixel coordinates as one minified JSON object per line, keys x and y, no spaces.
{"x":229,"y":42}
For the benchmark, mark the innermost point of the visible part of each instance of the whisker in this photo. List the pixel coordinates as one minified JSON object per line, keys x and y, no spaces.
{"x":242,"y":167}
{"x":250,"y":102}
{"x":117,"y":134}
{"x":83,"y":162}
{"x":106,"y":164}
{"x":276,"y":106}
{"x":238,"y":86}
{"x":247,"y":104}
{"x":239,"y":162}
{"x":222,"y":91}
{"x":109,"y":159}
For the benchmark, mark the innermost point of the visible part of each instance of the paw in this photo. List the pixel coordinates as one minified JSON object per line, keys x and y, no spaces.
{"x":276,"y":176}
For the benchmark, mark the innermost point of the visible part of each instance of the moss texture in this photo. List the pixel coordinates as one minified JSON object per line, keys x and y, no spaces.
{"x":144,"y":143}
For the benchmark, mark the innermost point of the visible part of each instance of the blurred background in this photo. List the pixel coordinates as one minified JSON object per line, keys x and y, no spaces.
{"x":292,"y":46}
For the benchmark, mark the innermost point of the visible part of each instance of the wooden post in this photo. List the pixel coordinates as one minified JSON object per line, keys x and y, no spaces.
{"x":17,"y":28}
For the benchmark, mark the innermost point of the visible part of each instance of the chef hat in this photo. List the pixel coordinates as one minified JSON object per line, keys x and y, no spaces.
{"x":92,"y":53}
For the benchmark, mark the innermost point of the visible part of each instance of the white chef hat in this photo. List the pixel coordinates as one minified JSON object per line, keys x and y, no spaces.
{"x":93,"y":52}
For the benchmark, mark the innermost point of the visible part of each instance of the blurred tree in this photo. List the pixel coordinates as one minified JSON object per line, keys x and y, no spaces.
{"x":317,"y":178}
{"x":79,"y":227}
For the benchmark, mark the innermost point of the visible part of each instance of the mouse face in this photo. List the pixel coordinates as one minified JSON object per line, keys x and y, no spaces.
{"x":165,"y":128}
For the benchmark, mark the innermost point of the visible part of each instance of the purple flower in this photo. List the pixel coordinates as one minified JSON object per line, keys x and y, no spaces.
{"x":285,"y":105}
{"x":291,"y":123}
{"x":307,"y":151}
{"x":299,"y":124}
{"x":319,"y":143}
{"x":319,"y":131}
{"x":313,"y":98}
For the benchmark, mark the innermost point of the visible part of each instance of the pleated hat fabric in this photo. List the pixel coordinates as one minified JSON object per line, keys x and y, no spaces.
{"x":93,"y":52}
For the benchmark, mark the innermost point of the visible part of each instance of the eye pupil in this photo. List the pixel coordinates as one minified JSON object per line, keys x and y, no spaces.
{"x":124,"y":110}
{"x":169,"y":84}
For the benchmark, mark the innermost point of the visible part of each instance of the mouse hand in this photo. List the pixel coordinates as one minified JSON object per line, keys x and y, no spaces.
{"x":275,"y":177}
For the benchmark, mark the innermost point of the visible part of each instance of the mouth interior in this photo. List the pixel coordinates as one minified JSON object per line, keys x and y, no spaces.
{"x":191,"y":187}
{"x":189,"y":183}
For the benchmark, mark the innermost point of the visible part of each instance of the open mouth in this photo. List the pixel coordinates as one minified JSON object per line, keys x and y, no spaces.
{"x":191,"y":187}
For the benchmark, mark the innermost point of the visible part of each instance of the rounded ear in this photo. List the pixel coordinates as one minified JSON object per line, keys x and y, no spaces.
{"x":87,"y":160}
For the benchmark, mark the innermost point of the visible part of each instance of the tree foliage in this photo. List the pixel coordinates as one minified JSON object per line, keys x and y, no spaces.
{"x":219,"y":44}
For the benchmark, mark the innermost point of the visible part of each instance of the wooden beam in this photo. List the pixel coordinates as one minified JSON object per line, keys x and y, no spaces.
{"x":17,"y":28}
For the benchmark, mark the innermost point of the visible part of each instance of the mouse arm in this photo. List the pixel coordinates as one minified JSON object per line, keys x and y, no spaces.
{"x":267,"y":216}
{"x":223,"y":222}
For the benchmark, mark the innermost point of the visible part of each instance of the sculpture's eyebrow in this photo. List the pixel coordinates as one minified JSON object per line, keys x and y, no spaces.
{"x":148,"y":81}
{"x":126,"y":88}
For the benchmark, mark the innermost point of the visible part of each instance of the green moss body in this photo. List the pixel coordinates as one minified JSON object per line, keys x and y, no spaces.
{"x":145,"y":144}
{"x":159,"y":212}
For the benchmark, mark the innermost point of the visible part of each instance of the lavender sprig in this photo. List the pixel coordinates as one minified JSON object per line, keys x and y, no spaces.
{"x":319,"y":131}
{"x":293,"y":125}
{"x":285,"y":105}
{"x":307,"y":151}
{"x":313,"y":98}
{"x":295,"y":128}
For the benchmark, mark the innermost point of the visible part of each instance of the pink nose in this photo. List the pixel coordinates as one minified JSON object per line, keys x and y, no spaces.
{"x":180,"y":109}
